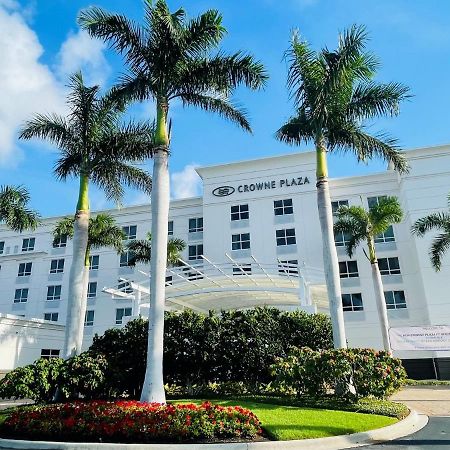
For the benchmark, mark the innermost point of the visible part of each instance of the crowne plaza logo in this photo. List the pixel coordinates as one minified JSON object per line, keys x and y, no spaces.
{"x":223,"y":191}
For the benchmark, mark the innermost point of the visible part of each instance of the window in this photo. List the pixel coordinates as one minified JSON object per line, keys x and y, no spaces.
{"x":389,"y":266}
{"x":240,"y":241}
{"x":348,"y":269}
{"x":54,"y":293}
{"x":192,"y":275}
{"x":336,"y":204}
{"x":239,"y":212}
{"x":94,"y":262}
{"x":169,"y":280}
{"x":395,"y":299}
{"x":60,"y":242}
{"x":57,"y":266}
{"x":352,"y":302}
{"x":48,"y":353}
{"x":170,"y":228}
{"x":2,"y":247}
{"x":52,"y":316}
{"x":124,"y":286}
{"x":126,"y":258}
{"x":195,"y":252}
{"x":24,"y":269}
{"x":92,"y":289}
{"x":28,"y":244}
{"x":121,"y":313}
{"x":195,"y":224}
{"x":341,"y":239}
{"x":21,"y":295}
{"x":89,"y":318}
{"x":387,"y":236}
{"x":286,"y":237}
{"x":130,"y":232}
{"x":283,"y":207}
{"x":242,"y":269}
{"x":374,"y":201}
{"x":289,"y":267}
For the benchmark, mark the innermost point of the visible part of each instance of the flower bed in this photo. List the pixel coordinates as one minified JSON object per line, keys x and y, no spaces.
{"x":131,"y":421}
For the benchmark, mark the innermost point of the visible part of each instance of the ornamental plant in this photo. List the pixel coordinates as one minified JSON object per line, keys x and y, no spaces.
{"x":131,"y":421}
{"x":316,"y":374}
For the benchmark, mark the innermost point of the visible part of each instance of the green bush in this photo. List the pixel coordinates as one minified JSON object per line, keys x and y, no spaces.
{"x":365,"y":372}
{"x":237,"y":346}
{"x":36,"y":381}
{"x":81,"y":376}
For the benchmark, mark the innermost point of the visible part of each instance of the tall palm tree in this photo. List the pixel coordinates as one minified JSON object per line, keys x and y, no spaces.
{"x":364,"y":226}
{"x":102,"y":232}
{"x":14,"y":210}
{"x":440,"y":222}
{"x":142,"y":249}
{"x":334,"y":95}
{"x":171,"y":58}
{"x":95,"y":147}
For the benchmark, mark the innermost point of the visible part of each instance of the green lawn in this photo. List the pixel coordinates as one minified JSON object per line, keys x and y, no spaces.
{"x":289,"y":422}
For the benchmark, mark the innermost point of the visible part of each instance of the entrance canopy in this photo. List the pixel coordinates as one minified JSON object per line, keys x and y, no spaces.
{"x":203,"y":285}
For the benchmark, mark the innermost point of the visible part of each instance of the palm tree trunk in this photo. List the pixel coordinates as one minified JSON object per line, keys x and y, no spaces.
{"x":330,"y":260}
{"x":83,"y":303}
{"x":379,"y":298}
{"x":74,"y":301}
{"x":153,"y":388}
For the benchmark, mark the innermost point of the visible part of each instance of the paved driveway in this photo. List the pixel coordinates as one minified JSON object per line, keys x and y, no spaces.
{"x":434,"y":401}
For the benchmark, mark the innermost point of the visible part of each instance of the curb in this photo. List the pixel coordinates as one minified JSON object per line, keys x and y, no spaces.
{"x":412,"y":423}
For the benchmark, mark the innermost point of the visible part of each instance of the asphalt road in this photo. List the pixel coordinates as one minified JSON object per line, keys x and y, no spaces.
{"x":434,"y":436}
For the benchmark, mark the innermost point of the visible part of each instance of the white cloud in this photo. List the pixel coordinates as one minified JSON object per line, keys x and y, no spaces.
{"x":80,"y":51}
{"x":185,"y":183}
{"x":27,"y":86}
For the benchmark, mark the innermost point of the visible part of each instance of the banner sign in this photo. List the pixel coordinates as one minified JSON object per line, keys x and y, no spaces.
{"x":435,"y":338}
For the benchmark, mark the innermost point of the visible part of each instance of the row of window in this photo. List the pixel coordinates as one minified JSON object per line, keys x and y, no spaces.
{"x":285,"y":236}
{"x":280,"y":208}
{"x":56,"y":266}
{"x":53,"y":293}
{"x":387,"y":266}
{"x":393,"y":299}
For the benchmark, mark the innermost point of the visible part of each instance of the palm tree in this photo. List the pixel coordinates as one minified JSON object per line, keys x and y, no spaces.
{"x":141,"y":250}
{"x":14,"y":210}
{"x":97,"y":148}
{"x":364,"y":226}
{"x":171,"y":58}
{"x":437,"y":221}
{"x":102,"y":232}
{"x":334,"y":95}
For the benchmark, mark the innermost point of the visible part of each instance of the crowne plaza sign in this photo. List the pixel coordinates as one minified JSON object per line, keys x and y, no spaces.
{"x":224,"y":191}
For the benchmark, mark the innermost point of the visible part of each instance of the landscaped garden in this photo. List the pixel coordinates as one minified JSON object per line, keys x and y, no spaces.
{"x":286,"y":382}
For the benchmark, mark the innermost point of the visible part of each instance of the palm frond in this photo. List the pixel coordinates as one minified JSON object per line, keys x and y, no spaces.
{"x":298,"y":129}
{"x":104,"y":232}
{"x":435,"y":221}
{"x":14,"y":210}
{"x":218,"y":104}
{"x":388,"y":211}
{"x":140,"y":251}
{"x":63,"y":227}
{"x":354,"y":222}
{"x":439,"y":247}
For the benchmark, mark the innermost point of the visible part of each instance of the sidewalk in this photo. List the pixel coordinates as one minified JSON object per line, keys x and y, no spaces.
{"x":429,"y":400}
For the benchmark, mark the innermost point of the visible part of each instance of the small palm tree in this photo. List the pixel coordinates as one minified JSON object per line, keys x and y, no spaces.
{"x":14,"y":210}
{"x":141,"y":250}
{"x":364,"y":226}
{"x":95,"y":147}
{"x":171,"y":58}
{"x":437,"y":221}
{"x":334,"y":95}
{"x":102,"y":232}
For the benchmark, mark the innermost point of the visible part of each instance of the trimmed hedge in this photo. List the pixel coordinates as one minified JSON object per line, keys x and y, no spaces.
{"x":359,"y":373}
{"x":237,"y":346}
{"x":131,"y":421}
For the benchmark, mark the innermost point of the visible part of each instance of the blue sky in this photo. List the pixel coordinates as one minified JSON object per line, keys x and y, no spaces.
{"x":40,"y":45}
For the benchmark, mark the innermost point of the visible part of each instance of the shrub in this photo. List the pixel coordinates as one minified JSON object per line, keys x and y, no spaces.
{"x":82,"y":375}
{"x":130,"y":421}
{"x":236,"y":346}
{"x":319,"y":373}
{"x":36,"y":381}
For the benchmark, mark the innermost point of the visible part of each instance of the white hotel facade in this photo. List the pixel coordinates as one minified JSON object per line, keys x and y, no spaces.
{"x":252,"y":239}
